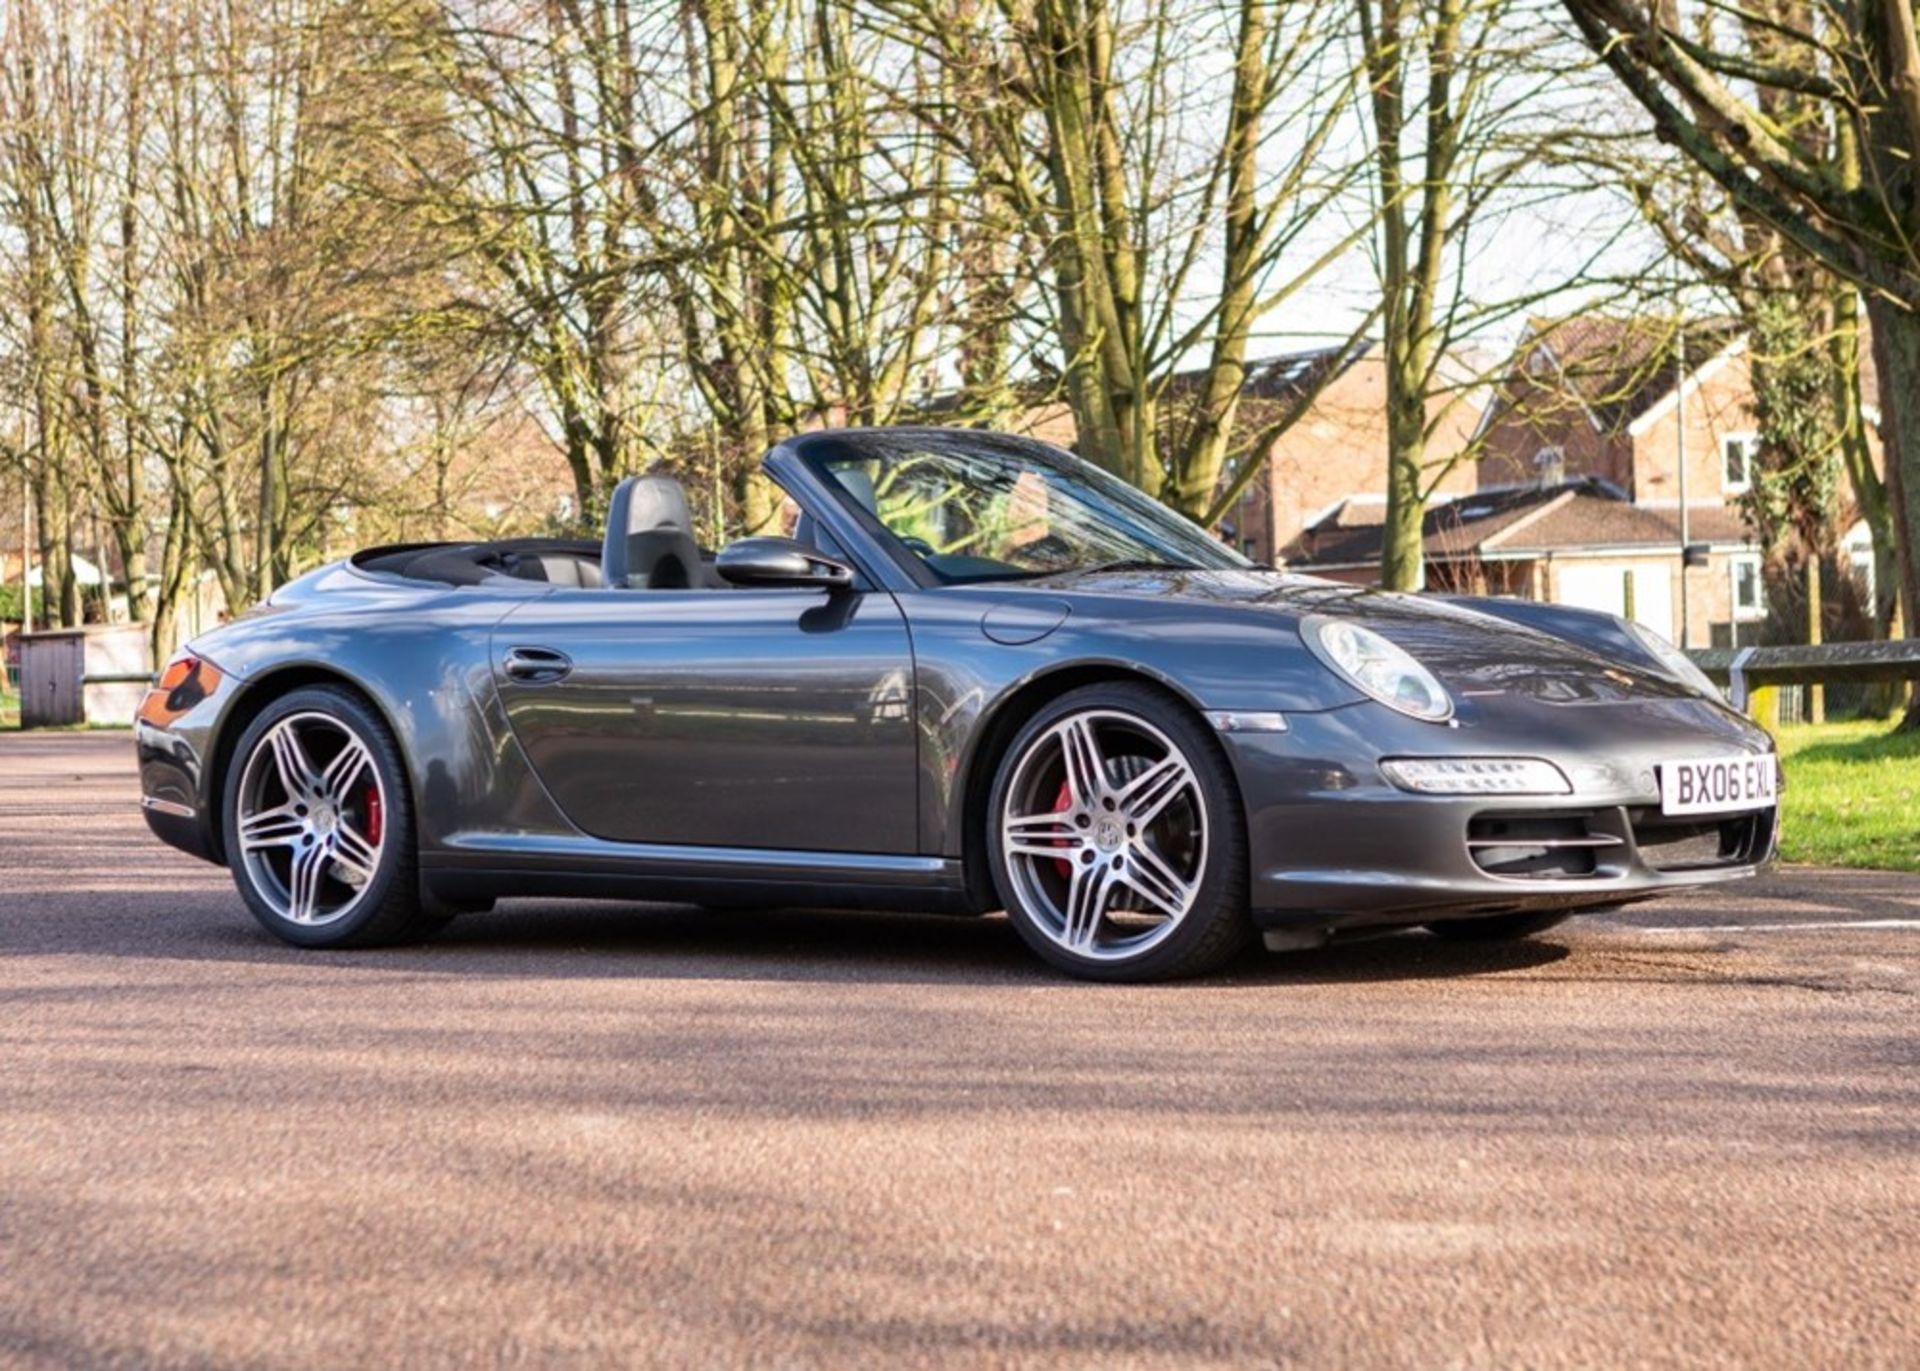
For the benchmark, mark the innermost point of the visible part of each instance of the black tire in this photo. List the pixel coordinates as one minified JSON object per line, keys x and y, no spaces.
{"x":384,"y":908}
{"x":1497,"y":928}
{"x":1215,"y":926}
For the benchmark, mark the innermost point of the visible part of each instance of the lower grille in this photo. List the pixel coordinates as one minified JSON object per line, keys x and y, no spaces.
{"x":1700,"y":844}
{"x":1555,"y":846}
{"x":1577,"y":844}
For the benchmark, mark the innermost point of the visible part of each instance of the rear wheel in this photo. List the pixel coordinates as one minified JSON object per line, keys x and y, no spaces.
{"x":1117,"y":838}
{"x":1496,"y":928}
{"x":319,"y":824}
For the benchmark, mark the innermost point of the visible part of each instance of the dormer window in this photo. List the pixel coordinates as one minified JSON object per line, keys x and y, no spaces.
{"x":1739,"y":452}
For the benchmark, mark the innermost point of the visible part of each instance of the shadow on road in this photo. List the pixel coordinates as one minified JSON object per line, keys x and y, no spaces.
{"x":582,"y":939}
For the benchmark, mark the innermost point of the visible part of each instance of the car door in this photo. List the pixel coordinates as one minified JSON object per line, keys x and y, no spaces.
{"x":772,"y":718}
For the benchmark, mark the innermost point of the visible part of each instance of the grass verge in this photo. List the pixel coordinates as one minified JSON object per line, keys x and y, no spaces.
{"x":1852,"y":797}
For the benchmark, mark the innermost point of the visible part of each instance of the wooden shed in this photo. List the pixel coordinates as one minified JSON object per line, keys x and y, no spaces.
{"x":93,"y":675}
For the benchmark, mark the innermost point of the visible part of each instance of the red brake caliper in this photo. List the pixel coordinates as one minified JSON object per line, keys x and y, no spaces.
{"x":1061,"y":806}
{"x":375,"y":820}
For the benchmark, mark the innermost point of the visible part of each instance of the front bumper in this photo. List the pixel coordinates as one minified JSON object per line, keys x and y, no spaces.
{"x":1333,"y":844}
{"x":173,"y":736}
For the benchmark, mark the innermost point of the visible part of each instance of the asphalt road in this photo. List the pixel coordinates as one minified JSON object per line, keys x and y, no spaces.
{"x":575,"y":1134}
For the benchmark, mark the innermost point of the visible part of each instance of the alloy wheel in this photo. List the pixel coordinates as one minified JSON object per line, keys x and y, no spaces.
{"x":1104,"y":834}
{"x":311,"y":827}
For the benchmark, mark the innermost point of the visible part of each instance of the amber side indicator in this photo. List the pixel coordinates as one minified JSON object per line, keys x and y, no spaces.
{"x":186,"y":681}
{"x":177,"y":672}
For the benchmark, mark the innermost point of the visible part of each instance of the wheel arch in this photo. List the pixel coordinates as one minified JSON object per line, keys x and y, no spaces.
{"x":996,"y":730}
{"x":253,"y":699}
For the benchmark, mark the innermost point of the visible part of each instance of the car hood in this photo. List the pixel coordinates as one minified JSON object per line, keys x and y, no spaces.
{"x":1475,"y":655}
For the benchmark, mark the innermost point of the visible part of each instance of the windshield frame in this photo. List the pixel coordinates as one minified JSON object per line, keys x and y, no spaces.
{"x":817,"y":452}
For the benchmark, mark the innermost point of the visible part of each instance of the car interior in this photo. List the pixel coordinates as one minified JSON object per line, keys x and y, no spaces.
{"x":649,"y":545}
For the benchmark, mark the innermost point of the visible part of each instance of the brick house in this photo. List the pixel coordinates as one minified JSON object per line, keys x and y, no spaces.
{"x":1577,"y":487}
{"x":1574,"y":542}
{"x":1335,"y":451}
{"x":1336,"y":454}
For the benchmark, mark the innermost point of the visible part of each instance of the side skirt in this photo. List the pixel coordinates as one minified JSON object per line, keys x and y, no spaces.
{"x":479,"y":867}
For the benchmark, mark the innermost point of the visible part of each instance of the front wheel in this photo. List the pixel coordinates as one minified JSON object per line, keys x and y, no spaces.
{"x":319,"y":825}
{"x":1117,"y":838}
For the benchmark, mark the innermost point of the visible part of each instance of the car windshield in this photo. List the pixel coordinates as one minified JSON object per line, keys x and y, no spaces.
{"x":976,"y":507}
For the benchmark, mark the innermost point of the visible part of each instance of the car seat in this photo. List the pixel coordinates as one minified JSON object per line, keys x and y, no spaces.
{"x":650,"y":543}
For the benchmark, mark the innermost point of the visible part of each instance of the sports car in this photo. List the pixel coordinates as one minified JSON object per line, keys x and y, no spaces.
{"x":974,"y":674}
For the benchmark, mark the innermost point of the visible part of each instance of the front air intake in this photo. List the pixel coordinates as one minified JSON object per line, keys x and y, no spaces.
{"x":1700,"y":844}
{"x":1551,"y":846}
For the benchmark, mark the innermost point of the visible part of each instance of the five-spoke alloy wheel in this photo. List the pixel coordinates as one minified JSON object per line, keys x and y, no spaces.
{"x":1118,"y":841}
{"x":318,"y":828}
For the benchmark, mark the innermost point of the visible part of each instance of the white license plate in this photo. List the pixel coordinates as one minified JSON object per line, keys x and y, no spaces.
{"x":1719,"y":785}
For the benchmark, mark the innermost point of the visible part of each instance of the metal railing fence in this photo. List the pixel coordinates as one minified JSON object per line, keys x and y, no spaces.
{"x":1742,"y":670}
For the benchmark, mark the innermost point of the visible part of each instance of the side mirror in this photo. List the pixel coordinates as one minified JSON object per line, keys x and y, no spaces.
{"x":780,"y":562}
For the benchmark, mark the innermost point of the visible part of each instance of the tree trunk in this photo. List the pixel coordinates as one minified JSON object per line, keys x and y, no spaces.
{"x":1896,"y":342}
{"x":267,"y":520}
{"x":759,"y":503}
{"x":580,"y":453}
{"x":1412,"y":254}
{"x":1402,"y":550}
{"x":60,"y":590}
{"x":1096,"y":275}
{"x":176,"y":571}
{"x":129,"y":540}
{"x":1196,"y":476}
{"x":1869,"y":489}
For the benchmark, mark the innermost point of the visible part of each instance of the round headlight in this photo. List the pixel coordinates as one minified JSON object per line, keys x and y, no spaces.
{"x":1384,"y":670}
{"x":1676,"y":662}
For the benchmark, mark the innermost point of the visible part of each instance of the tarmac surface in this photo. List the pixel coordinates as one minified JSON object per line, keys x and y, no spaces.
{"x":561,"y":1133}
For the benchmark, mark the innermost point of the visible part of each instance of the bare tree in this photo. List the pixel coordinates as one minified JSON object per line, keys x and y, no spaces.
{"x":529,"y":139}
{"x":1474,"y":116}
{"x":1166,"y":231}
{"x":1855,"y":66}
{"x":29,"y":182}
{"x":1806,"y":356}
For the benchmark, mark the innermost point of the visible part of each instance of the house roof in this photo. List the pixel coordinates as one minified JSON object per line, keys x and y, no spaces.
{"x":1617,"y":367}
{"x":1293,"y":374}
{"x":1520,"y":522}
{"x":1282,"y":377}
{"x":1594,"y":521}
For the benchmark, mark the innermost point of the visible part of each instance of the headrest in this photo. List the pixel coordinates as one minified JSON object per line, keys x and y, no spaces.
{"x":641,"y":504}
{"x":658,"y":502}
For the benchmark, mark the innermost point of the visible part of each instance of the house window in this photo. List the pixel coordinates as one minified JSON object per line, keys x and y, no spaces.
{"x":1858,"y":546}
{"x":1550,"y":466}
{"x":1749,"y":595}
{"x":1738,"y":451}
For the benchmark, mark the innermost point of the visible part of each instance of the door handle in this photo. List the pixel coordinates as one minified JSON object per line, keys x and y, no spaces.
{"x":537,"y":665}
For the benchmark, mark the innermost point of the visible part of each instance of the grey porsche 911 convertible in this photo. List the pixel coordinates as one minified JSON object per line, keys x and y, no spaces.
{"x":979,"y":675}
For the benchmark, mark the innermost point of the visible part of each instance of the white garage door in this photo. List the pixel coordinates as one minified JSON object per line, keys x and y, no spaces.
{"x":1604,"y":586}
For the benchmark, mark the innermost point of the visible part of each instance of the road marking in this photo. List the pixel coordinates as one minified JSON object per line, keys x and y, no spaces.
{"x":1784,"y":927}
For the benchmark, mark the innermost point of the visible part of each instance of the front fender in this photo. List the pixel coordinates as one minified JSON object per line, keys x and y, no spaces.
{"x":972,"y":691}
